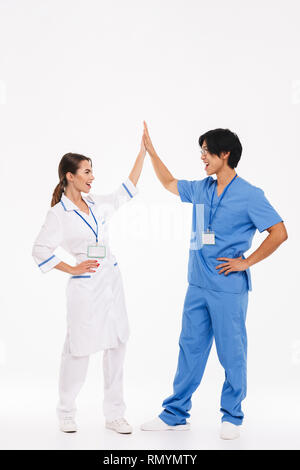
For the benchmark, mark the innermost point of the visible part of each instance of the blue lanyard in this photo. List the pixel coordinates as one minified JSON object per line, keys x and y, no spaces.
{"x":96,"y":233}
{"x":211,"y":216}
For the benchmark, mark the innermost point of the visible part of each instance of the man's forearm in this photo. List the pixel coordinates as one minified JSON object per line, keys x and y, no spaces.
{"x":162,"y":172}
{"x":268,"y":246}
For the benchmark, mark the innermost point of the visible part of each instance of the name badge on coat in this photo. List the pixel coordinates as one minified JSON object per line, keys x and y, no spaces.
{"x":96,"y":251}
{"x":208,"y":238}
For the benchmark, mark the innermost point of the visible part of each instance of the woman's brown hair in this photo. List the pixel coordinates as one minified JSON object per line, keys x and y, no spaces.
{"x":70,"y":162}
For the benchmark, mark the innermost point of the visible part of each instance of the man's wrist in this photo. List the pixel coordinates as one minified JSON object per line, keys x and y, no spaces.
{"x":153,"y":154}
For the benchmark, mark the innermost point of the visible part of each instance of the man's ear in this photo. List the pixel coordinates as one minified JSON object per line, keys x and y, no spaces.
{"x":225,"y":155}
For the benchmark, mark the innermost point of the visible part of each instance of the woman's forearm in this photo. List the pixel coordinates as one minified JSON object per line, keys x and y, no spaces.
{"x":66,"y":268}
{"x":137,"y":168}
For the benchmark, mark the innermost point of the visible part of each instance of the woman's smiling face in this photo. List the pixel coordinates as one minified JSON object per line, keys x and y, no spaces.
{"x":83,"y":178}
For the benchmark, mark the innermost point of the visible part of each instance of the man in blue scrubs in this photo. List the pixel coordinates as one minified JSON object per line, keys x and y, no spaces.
{"x":226,"y":213}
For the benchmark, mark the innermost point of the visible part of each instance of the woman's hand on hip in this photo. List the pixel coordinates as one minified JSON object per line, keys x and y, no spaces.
{"x":88,"y":266}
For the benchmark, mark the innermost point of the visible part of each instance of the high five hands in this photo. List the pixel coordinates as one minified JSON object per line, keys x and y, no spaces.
{"x":147,"y":141}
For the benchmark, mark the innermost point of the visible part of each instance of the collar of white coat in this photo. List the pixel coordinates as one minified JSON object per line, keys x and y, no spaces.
{"x":68,"y":205}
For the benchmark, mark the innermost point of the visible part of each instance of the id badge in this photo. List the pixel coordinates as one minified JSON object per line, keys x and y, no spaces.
{"x":208,"y":238}
{"x":96,"y":251}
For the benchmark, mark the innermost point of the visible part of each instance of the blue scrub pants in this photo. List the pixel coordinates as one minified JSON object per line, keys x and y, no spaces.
{"x":210,"y":314}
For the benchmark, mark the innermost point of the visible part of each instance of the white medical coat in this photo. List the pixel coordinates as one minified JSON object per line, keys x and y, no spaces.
{"x":96,"y":311}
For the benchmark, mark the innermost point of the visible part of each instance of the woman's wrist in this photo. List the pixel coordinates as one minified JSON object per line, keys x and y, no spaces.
{"x":71,"y":269}
{"x":66,"y":268}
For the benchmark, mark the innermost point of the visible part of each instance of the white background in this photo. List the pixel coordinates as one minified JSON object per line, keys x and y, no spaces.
{"x":81,"y":75}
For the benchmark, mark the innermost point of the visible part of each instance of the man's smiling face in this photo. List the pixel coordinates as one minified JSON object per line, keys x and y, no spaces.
{"x":212,"y":162}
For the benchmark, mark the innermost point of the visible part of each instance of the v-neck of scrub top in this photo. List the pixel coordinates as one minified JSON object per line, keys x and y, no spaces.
{"x":216,"y":197}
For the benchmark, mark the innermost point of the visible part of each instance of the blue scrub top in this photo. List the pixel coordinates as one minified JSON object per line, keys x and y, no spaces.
{"x":243,"y":209}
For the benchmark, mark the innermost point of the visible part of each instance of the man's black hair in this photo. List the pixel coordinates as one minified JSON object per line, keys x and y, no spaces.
{"x":223,"y":140}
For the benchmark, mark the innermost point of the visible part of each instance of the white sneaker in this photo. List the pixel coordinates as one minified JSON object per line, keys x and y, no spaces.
{"x":229,"y":431}
{"x":67,"y":424}
{"x":119,"y":425}
{"x":158,"y":424}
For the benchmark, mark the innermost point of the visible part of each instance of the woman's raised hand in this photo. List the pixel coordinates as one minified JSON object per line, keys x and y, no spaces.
{"x":143,"y":148}
{"x":88,"y":266}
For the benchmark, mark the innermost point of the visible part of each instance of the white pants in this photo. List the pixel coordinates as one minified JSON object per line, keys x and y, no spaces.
{"x":72,"y":376}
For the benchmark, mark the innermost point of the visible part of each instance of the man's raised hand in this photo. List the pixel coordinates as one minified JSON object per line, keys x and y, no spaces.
{"x":147,"y":141}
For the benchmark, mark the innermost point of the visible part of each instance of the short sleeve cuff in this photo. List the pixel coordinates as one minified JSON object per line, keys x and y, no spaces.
{"x":130,"y":188}
{"x":181,"y":189}
{"x":49,"y":264}
{"x":269,"y":224}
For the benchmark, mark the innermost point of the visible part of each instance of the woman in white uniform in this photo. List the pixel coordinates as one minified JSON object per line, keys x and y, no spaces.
{"x":96,"y":312}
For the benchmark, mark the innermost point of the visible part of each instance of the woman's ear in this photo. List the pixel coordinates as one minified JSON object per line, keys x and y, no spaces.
{"x":69,"y":177}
